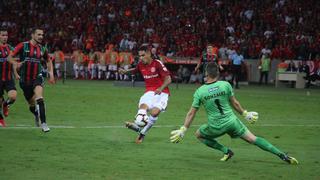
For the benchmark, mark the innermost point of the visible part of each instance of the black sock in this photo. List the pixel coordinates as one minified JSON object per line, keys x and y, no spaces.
{"x":33,"y":110}
{"x":8,"y":102}
{"x":42,"y":110}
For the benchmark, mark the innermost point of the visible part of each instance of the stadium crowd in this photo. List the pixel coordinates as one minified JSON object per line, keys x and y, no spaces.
{"x":289,"y":28}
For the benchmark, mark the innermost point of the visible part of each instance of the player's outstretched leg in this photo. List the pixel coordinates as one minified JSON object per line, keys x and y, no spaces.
{"x":144,"y":130}
{"x":212,"y":143}
{"x":267,"y":146}
{"x":132,"y":126}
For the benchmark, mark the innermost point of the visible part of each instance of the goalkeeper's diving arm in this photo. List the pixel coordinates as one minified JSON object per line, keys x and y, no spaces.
{"x":236,"y":105}
{"x":189,"y":117}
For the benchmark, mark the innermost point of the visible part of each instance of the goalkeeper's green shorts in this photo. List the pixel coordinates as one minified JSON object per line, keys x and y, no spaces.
{"x":234,"y":129}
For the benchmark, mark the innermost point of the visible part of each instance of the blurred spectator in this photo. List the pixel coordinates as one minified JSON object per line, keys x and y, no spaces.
{"x":175,"y":27}
{"x":236,"y":60}
{"x":184,"y":73}
{"x":264,"y":67}
{"x":304,"y":67}
{"x":196,"y":77}
{"x":315,"y":74}
{"x":292,"y":66}
{"x":282,"y":66}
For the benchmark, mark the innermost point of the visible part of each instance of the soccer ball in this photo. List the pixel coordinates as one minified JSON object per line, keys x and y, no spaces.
{"x":141,"y":120}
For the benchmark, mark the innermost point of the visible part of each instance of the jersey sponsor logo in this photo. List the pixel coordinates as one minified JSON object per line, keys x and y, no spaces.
{"x":32,"y":60}
{"x":213,"y":89}
{"x":150,"y":76}
{"x":153,"y":69}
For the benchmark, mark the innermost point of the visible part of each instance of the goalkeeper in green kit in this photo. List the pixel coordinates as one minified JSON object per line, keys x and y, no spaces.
{"x":218,"y":98}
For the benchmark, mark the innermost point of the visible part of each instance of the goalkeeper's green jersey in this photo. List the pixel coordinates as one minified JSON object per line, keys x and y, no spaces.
{"x":215,"y":99}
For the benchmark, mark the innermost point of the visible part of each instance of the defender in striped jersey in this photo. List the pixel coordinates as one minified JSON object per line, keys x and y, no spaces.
{"x":33,"y":58}
{"x":6,"y":76}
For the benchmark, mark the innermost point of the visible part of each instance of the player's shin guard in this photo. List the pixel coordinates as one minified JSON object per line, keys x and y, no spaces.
{"x":151,"y":120}
{"x":41,"y":109}
{"x":265,"y":145}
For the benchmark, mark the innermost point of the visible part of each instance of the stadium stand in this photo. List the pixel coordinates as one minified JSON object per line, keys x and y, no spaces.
{"x":175,"y":27}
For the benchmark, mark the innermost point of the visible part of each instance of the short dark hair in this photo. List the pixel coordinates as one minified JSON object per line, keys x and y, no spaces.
{"x":3,"y":29}
{"x":212,"y":70}
{"x":143,"y":48}
{"x":34,"y":29}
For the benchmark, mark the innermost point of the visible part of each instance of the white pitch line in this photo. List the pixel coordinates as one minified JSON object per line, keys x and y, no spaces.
{"x":21,"y":126}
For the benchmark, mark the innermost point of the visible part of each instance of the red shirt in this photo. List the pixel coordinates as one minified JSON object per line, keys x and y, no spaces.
{"x":153,"y":75}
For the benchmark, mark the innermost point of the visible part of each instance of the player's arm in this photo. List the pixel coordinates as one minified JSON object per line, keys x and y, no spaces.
{"x":189,"y":117}
{"x":236,"y":105}
{"x":166,"y":82}
{"x":177,"y":135}
{"x":252,"y":116}
{"x":50,"y":69}
{"x":198,"y":65}
{"x":14,"y":61}
{"x":15,"y":65}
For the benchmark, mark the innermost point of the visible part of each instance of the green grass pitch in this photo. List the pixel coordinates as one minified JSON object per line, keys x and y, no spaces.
{"x":88,"y":141}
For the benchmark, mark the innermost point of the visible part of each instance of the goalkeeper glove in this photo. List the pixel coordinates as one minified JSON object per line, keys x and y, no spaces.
{"x":251,"y":117}
{"x":177,"y":135}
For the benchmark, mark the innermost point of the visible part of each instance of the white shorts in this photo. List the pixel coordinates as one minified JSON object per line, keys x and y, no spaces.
{"x":112,"y":67}
{"x":154,"y":100}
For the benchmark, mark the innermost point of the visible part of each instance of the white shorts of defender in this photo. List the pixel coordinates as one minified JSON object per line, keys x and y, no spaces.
{"x":154,"y":100}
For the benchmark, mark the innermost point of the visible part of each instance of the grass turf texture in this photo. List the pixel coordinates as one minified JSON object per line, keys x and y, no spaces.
{"x":97,"y":147}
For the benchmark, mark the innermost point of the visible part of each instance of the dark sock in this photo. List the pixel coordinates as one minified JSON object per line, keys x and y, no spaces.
{"x":33,"y":110}
{"x":8,"y":102}
{"x":41,"y":110}
{"x":215,"y":145}
{"x":265,"y":145}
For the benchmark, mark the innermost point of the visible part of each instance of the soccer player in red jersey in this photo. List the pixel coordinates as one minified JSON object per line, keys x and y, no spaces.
{"x":155,"y":99}
{"x":6,"y":76}
{"x":32,"y":58}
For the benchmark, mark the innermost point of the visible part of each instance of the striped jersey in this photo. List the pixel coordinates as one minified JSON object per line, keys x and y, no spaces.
{"x":5,"y":67}
{"x":32,"y":58}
